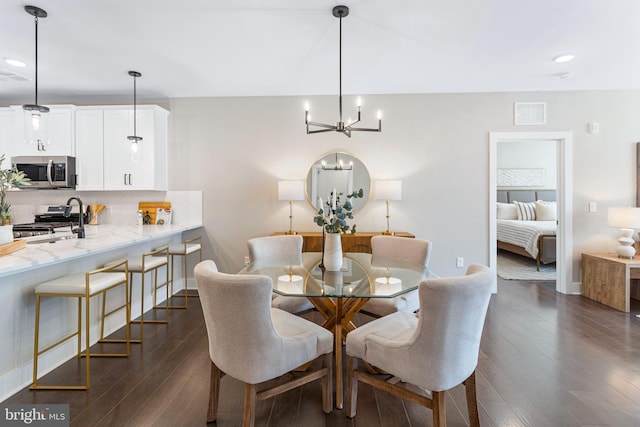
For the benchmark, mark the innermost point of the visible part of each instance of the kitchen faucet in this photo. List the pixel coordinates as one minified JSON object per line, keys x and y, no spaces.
{"x":67,"y":214}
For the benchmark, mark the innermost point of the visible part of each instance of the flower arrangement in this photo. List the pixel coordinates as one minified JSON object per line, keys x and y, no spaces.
{"x":9,"y":178}
{"x":335,"y":219}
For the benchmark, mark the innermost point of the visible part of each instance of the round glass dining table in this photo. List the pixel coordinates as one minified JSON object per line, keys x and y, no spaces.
{"x":339,"y":295}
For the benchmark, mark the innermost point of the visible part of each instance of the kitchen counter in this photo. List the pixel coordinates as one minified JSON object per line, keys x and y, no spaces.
{"x":99,"y":238}
{"x":21,"y":271}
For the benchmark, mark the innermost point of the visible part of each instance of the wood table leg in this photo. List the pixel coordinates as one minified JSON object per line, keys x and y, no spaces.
{"x":338,"y":353}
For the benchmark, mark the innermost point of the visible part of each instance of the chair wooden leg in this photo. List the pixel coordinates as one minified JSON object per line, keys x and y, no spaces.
{"x":250,"y":393}
{"x":472,"y":402}
{"x":352,"y":387}
{"x":327,"y":384}
{"x":438,"y":408}
{"x":214,"y":393}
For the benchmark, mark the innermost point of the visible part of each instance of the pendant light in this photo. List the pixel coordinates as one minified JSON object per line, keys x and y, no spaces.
{"x":36,"y":117}
{"x":135,"y":139}
{"x":342,"y":127}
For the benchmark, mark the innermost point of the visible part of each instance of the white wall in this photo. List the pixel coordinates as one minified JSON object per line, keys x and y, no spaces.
{"x":236,"y":149}
{"x":529,"y":155}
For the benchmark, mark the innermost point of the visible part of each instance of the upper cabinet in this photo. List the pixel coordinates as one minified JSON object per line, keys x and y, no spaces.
{"x":61,"y":138}
{"x":7,"y":135}
{"x":105,"y":159}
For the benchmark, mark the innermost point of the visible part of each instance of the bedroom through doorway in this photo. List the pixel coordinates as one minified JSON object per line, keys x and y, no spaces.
{"x":526,"y":211}
{"x":539,"y":185}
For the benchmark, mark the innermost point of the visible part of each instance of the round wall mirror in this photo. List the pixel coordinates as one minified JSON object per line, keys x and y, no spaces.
{"x":341,"y":171}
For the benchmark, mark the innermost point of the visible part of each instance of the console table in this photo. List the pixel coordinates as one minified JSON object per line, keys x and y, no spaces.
{"x":607,"y":279}
{"x":358,"y":242}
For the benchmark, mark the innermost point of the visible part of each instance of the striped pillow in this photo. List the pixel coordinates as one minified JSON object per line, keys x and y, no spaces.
{"x":526,"y":211}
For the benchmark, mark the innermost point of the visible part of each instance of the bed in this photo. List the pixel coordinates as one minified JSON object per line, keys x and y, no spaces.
{"x":532,"y":238}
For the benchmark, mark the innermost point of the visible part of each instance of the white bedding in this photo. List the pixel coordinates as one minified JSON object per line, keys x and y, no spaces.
{"x":524,"y":233}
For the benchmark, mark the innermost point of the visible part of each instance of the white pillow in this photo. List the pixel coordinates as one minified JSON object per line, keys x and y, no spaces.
{"x":506,"y":211}
{"x":546,"y":211}
{"x":526,"y":211}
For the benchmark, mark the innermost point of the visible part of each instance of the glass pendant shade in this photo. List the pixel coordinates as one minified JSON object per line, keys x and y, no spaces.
{"x":36,"y":125}
{"x":134,"y":139}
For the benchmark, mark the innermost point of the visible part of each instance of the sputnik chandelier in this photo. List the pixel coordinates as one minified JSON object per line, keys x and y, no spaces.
{"x":345,"y":128}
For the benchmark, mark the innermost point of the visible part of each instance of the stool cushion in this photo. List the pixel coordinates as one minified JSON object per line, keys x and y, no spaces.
{"x":150,"y":263}
{"x":75,"y":283}
{"x":179,"y":249}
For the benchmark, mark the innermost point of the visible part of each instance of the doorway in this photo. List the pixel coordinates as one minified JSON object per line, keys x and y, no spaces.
{"x":564,"y":246}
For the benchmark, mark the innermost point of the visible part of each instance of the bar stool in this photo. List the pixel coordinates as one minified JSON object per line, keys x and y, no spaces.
{"x":149,"y":262}
{"x":82,"y":285}
{"x":184,"y":249}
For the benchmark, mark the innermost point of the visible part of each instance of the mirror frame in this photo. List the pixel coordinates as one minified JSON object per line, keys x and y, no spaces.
{"x":357,"y":163}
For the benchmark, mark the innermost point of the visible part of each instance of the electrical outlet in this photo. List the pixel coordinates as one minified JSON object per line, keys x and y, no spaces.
{"x":593,"y":207}
{"x":459,"y":262}
{"x":246,"y":260}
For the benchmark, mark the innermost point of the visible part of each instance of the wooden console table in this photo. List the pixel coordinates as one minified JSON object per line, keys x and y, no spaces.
{"x":607,"y":279}
{"x":358,"y":242}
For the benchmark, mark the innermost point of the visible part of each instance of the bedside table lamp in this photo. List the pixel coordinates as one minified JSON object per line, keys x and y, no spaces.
{"x":291,"y":190}
{"x":627,"y":219}
{"x":388,"y":190}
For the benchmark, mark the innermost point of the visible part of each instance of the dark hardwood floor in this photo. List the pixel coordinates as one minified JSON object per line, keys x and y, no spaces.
{"x":546,"y":360}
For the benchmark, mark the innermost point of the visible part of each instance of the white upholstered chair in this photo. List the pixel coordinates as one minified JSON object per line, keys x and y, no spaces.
{"x":435,"y":350}
{"x":399,"y":248}
{"x":278,"y":247}
{"x":255,"y":343}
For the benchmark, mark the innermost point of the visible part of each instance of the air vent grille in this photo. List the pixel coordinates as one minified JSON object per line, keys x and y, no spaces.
{"x":530,"y":113}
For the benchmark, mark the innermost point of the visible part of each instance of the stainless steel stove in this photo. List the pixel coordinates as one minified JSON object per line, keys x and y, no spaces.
{"x":40,"y":228}
{"x":47,"y":223}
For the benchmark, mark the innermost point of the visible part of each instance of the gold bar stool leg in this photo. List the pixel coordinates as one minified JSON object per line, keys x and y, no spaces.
{"x":78,"y":286}
{"x":185,"y":249}
{"x":150,"y":262}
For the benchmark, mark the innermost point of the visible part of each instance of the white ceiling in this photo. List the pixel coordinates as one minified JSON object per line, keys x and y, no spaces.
{"x":193,"y":48}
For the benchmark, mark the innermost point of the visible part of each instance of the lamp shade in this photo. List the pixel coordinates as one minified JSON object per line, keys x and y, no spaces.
{"x":388,"y":189}
{"x":624,"y":217}
{"x":291,"y":190}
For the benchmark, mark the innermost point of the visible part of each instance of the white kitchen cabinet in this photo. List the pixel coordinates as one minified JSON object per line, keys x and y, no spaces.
{"x":61,"y":133}
{"x":89,"y":149}
{"x":7,"y":135}
{"x":118,"y":168}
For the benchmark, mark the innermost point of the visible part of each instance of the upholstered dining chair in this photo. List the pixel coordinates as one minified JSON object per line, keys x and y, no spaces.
{"x":435,"y":350}
{"x":277,"y":247}
{"x":403,"y":249}
{"x":255,"y":343}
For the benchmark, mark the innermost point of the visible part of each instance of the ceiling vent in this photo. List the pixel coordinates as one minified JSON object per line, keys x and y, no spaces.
{"x":530,"y":113}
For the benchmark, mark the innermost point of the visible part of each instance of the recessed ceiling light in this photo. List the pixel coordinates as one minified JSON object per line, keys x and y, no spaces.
{"x":565,"y":57}
{"x":14,"y":62}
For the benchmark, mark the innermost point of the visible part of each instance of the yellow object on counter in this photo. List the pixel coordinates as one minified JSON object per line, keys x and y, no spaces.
{"x":95,"y":210}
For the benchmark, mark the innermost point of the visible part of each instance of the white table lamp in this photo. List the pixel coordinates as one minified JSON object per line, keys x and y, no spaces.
{"x":291,"y":190}
{"x":388,"y":190}
{"x":627,"y":219}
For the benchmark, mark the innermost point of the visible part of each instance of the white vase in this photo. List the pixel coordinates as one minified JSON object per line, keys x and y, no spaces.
{"x":332,"y":252}
{"x":6,"y":234}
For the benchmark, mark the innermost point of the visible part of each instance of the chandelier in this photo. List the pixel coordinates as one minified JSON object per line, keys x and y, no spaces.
{"x":36,"y":115}
{"x":345,"y":128}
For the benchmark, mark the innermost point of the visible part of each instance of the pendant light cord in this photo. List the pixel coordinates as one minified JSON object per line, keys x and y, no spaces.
{"x":135,"y":131}
{"x":340,"y":67}
{"x":36,"y":20}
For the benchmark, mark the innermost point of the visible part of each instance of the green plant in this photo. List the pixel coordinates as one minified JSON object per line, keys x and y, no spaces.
{"x":335,"y":221}
{"x":9,"y":178}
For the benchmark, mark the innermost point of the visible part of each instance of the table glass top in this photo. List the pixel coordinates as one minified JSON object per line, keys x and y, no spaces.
{"x":361,"y":276}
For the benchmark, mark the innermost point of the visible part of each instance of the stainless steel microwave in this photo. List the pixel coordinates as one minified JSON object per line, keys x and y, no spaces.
{"x":48,"y":171}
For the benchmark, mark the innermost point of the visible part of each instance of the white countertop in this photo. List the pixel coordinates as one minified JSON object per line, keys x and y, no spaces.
{"x":98,"y":238}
